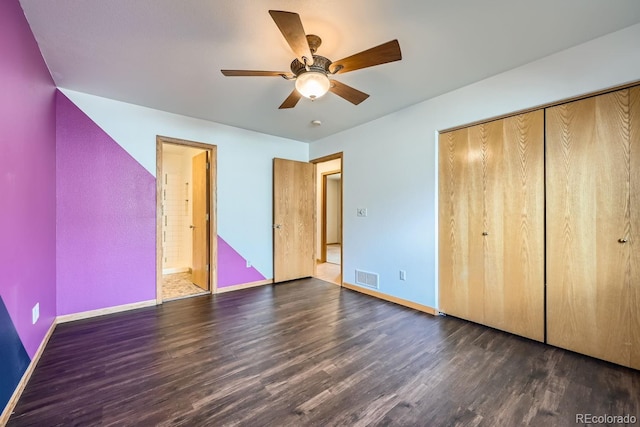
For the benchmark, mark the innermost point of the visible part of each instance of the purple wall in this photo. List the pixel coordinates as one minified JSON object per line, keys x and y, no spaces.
{"x":106,"y":218}
{"x":27,"y":178}
{"x":232,"y":267}
{"x":27,"y":188}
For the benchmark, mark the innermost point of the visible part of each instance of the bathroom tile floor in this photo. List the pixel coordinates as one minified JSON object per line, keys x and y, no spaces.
{"x":179,"y":285}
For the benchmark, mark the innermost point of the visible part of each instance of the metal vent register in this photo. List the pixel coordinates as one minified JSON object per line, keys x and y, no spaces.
{"x":366,"y":278}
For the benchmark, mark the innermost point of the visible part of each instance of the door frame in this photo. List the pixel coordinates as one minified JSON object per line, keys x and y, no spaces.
{"x":323,"y":244}
{"x":213,"y":230}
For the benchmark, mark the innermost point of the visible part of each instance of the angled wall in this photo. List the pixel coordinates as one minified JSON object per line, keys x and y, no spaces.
{"x":27,"y":186}
{"x":105,"y":218}
{"x":106,"y":199}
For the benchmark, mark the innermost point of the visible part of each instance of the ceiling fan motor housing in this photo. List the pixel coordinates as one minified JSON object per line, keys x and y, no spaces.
{"x":320,"y":65}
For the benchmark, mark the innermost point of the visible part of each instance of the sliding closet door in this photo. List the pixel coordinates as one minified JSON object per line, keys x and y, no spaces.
{"x":514,"y":241}
{"x":492,"y":224}
{"x":588,"y":222}
{"x":634,"y":232}
{"x":461,"y":268}
{"x":489,"y":139}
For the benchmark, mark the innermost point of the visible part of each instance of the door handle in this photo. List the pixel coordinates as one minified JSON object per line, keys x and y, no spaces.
{"x":192,"y":227}
{"x":277,"y":225}
{"x":484,"y":233}
{"x":622,"y":240}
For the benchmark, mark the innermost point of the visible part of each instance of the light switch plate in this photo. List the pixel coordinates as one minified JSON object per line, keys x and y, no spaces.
{"x":362,"y":212}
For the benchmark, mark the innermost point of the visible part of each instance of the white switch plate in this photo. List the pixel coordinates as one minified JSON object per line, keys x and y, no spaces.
{"x":362,"y":212}
{"x":403,"y":275}
{"x":35,"y":313}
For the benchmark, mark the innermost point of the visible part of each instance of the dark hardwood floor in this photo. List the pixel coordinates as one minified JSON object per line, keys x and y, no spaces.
{"x":310,"y":353}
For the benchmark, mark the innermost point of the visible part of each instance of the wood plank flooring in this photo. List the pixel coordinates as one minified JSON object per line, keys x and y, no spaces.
{"x":310,"y":353}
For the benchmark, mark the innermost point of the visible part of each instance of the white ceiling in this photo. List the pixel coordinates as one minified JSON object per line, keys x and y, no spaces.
{"x":167,"y":54}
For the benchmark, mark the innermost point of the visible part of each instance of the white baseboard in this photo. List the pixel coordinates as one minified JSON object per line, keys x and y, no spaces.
{"x":244,"y":286}
{"x":8,"y":409}
{"x":102,"y":311}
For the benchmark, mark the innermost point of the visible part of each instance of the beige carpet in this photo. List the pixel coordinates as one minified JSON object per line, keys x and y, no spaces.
{"x":179,"y":285}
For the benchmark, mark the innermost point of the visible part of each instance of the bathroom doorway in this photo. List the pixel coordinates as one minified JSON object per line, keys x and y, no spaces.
{"x":185,"y":214}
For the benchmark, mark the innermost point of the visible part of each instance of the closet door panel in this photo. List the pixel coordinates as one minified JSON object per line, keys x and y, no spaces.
{"x":460,"y":251}
{"x":490,"y":137}
{"x":516,"y":219}
{"x":587,"y":192}
{"x":473,"y":188}
{"x":450,"y":245}
{"x":613,"y":222}
{"x":634,"y":230}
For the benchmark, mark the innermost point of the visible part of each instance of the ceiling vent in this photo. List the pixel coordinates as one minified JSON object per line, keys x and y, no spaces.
{"x":365,"y":278}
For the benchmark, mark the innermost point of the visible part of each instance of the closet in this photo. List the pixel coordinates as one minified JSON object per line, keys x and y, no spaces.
{"x":491,"y":216}
{"x":593,"y":220}
{"x":547,"y":197}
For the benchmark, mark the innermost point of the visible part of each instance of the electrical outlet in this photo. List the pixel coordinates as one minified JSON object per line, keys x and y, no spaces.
{"x":248,"y":264}
{"x":403,"y":275}
{"x":361,"y":212}
{"x":35,"y":313}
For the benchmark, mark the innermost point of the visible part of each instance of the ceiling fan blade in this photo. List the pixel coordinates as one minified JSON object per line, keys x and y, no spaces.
{"x":291,"y":28}
{"x":291,"y":100}
{"x":245,"y":73}
{"x":386,"y":52}
{"x":352,"y":95}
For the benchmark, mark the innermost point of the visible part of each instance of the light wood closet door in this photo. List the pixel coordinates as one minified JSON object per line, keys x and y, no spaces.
{"x":514,"y":224}
{"x":634,"y":232}
{"x":588,"y":211}
{"x":461,"y":265}
{"x":492,"y":224}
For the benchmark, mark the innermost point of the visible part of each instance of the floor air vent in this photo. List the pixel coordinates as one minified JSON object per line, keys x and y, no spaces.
{"x":367,"y":279}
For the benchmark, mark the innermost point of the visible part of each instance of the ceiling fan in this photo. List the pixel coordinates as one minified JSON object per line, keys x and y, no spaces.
{"x":311,"y":72}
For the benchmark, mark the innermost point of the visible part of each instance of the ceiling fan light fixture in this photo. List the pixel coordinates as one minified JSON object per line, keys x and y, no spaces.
{"x":312,"y":84}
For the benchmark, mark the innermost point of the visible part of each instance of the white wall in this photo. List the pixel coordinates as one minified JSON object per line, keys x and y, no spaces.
{"x":244,"y":167}
{"x":391,"y":162}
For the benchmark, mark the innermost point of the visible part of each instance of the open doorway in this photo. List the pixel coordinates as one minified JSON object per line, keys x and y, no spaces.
{"x":329,"y":234}
{"x":331,"y":218}
{"x":186,"y":219}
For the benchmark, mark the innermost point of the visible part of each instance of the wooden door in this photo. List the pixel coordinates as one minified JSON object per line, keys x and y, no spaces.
{"x":200,"y":221}
{"x":514,"y":224}
{"x":293,"y":220}
{"x":461,"y":264}
{"x":491,"y":216}
{"x":588,"y":194}
{"x":634,"y":230}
